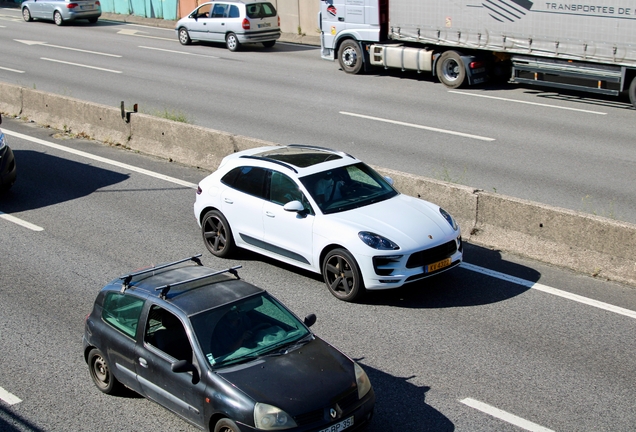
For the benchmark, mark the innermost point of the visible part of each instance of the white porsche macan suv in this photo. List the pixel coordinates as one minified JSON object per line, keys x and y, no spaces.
{"x":327,"y":212}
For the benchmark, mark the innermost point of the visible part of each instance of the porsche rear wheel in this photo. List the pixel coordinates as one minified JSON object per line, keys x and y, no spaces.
{"x":217,"y":234}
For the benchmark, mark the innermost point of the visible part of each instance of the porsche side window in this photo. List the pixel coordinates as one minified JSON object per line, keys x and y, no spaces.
{"x":122,"y":312}
{"x":250,"y":180}
{"x":282,"y":189}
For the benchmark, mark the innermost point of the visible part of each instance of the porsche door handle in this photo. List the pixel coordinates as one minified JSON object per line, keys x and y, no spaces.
{"x":228,"y":200}
{"x":270,"y":214}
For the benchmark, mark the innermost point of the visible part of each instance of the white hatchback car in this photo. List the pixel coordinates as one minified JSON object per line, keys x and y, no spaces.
{"x":234,"y":22}
{"x":327,"y":212}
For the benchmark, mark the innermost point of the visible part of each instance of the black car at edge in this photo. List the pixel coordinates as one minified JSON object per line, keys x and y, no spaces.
{"x":7,"y":163}
{"x":221,"y":353}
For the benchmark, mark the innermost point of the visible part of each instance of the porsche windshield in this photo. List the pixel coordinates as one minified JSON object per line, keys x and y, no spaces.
{"x":246,"y":329}
{"x":347,"y":187}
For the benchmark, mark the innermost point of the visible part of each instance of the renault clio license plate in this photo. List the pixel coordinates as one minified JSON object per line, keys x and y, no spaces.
{"x":438,"y":265}
{"x":346,"y":423}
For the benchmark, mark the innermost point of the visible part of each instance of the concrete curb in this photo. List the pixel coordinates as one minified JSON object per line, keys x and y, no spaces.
{"x":585,"y":243}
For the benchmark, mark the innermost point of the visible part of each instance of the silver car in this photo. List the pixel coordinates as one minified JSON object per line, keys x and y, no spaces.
{"x":234,"y":22}
{"x":61,"y":11}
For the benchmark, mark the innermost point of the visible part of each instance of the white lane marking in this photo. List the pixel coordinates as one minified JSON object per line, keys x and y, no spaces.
{"x":8,"y":397}
{"x":101,"y":159}
{"x":80,"y":65}
{"x":20,"y":222}
{"x":505,"y":416}
{"x":27,"y":42}
{"x":130,"y":32}
{"x":11,"y":70}
{"x":527,"y":102}
{"x":151,"y":27}
{"x":550,"y":290}
{"x":445,"y":131}
{"x":179,"y":52}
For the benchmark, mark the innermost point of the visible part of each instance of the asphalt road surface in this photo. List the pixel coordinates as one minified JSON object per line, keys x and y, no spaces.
{"x":499,"y":344}
{"x":562,"y":149}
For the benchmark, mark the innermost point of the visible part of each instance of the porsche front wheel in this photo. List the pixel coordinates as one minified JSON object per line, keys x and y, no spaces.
{"x":342,"y":275}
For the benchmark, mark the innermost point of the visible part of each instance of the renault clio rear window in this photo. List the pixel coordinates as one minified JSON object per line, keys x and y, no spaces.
{"x":260,"y":10}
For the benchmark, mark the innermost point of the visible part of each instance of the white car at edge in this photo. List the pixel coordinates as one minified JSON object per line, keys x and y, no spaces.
{"x":327,"y":212}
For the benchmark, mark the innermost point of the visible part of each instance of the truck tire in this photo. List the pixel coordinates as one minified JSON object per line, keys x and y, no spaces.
{"x":350,"y":57}
{"x":632,"y":92}
{"x":450,"y":69}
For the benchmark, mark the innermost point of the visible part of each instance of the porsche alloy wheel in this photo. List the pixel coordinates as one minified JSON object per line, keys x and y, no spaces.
{"x":342,"y":275}
{"x":217,"y":234}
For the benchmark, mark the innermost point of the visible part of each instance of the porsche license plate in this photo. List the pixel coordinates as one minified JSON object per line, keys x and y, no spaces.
{"x":438,"y":265}
{"x":346,"y":423}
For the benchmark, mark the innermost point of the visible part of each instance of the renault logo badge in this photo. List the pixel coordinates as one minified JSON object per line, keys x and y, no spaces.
{"x":333,"y":413}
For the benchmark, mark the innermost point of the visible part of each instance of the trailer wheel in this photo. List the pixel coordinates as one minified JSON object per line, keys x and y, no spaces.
{"x":350,"y":57}
{"x":632,"y":92}
{"x":450,"y":69}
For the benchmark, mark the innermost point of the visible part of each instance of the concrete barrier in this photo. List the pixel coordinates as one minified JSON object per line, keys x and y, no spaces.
{"x":11,"y":99}
{"x":185,"y":143}
{"x":585,"y":243}
{"x":100,"y":122}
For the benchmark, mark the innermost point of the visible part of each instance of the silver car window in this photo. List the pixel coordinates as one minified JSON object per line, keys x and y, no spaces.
{"x":219,"y":10}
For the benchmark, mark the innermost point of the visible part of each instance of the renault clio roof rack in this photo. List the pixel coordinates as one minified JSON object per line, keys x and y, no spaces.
{"x":165,"y":288}
{"x":128,"y":278}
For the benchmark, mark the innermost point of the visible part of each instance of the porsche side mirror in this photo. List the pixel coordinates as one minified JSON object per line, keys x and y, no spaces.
{"x":294,"y":206}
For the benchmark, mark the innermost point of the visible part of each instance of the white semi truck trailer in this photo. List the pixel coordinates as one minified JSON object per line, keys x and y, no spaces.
{"x":586,"y":46}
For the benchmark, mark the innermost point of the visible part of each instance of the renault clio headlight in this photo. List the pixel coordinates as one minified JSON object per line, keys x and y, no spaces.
{"x":449,"y":218}
{"x":268,"y":417}
{"x":362,"y":380}
{"x":377,"y":241}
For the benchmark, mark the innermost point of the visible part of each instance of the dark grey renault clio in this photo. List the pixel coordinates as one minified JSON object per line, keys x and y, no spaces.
{"x":221,"y":353}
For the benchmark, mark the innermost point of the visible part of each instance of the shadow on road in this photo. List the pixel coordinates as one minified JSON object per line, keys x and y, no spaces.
{"x":44,"y":180}
{"x":401,"y":406}
{"x":14,"y":422}
{"x":544,"y":94}
{"x":458,"y":287}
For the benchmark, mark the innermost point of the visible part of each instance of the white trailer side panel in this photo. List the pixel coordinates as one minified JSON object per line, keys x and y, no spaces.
{"x":602,"y":31}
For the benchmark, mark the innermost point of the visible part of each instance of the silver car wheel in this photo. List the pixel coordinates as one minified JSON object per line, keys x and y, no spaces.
{"x":232,"y":42}
{"x":184,"y":37}
{"x":57,"y":17}
{"x":26,"y":14}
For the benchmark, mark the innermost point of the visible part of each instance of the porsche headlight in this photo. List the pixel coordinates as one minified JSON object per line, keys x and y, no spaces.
{"x":376,"y":241}
{"x":268,"y":417}
{"x":449,"y":218}
{"x":362,"y":380}
{"x":3,"y":141}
